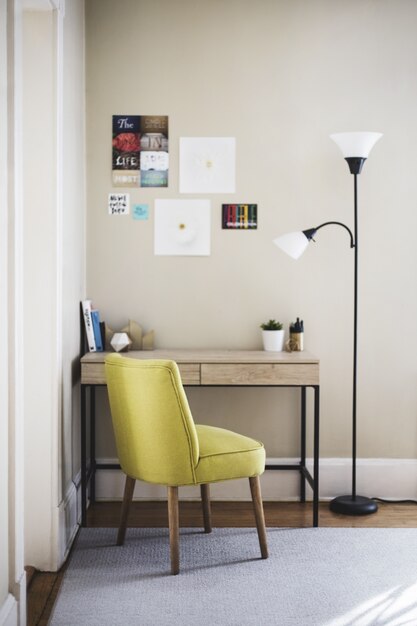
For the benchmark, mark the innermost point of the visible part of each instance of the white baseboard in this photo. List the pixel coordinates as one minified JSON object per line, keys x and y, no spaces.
{"x":394,"y":479}
{"x":69,"y":515}
{"x":8,"y":612}
{"x":391,"y":479}
{"x":13,"y":611}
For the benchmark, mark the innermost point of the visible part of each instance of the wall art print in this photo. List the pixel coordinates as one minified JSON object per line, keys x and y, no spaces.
{"x":182,"y":227}
{"x":239,"y":216}
{"x":140,"y":151}
{"x":119,"y":203}
{"x":140,"y":211}
{"x":207,"y":164}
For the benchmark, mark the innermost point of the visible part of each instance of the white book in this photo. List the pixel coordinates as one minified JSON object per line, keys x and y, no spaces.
{"x":88,"y":323}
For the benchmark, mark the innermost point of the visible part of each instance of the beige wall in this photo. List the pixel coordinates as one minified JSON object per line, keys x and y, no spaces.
{"x":280,"y":77}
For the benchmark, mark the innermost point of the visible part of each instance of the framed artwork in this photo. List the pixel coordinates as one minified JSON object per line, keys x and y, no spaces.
{"x":140,"y":151}
{"x":207,"y":164}
{"x":182,"y":227}
{"x":240,"y":216}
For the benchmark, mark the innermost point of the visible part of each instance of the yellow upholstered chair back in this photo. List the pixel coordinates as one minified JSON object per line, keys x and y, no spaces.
{"x":155,"y":434}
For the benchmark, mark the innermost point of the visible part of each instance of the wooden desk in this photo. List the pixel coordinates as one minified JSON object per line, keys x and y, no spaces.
{"x":213,"y":368}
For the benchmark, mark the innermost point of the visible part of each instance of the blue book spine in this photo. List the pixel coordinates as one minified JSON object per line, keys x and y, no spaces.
{"x":95,"y":318}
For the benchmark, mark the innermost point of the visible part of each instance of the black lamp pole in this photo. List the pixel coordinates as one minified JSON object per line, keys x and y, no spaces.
{"x":294,"y":244}
{"x":354,"y":504}
{"x":351,"y":504}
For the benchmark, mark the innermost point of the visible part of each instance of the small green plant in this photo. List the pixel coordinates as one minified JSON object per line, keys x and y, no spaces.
{"x":272,"y":325}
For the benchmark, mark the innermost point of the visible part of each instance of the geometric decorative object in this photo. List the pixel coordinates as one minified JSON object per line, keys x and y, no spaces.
{"x":148,"y":340}
{"x":207,"y":164}
{"x":120,"y":342}
{"x":138,"y":339}
{"x":182,"y":227}
{"x":355,"y":148}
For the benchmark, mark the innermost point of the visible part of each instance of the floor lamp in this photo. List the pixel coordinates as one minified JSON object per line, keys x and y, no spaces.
{"x":355,"y":148}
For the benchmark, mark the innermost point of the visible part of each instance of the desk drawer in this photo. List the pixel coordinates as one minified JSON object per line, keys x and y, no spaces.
{"x":190,"y":373}
{"x":260,"y":374}
{"x":93,"y":373}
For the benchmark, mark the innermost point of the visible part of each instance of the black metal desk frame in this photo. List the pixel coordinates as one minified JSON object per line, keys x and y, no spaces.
{"x":88,"y":470}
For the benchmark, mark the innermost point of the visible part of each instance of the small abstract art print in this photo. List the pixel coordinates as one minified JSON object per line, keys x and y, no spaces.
{"x":207,"y":164}
{"x":140,"y":211}
{"x":182,"y":227}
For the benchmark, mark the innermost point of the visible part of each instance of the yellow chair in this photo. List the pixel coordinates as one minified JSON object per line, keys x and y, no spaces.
{"x":158,"y":442}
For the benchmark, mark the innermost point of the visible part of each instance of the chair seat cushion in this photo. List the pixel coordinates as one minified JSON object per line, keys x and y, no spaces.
{"x":225,"y":455}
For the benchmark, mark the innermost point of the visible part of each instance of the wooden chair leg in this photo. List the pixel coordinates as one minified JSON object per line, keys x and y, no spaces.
{"x":127,"y":499}
{"x":174,"y":531}
{"x":255,"y":487}
{"x":205,"y":498}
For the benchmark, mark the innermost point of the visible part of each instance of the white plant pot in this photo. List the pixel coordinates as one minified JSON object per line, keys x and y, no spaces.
{"x":273,"y":340}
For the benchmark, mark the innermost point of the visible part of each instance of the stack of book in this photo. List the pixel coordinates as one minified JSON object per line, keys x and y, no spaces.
{"x":93,"y":327}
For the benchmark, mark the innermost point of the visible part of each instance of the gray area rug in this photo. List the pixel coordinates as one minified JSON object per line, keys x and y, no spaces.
{"x":314,"y":577}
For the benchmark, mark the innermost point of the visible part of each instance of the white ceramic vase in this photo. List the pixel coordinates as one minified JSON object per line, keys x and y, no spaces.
{"x":273,"y":340}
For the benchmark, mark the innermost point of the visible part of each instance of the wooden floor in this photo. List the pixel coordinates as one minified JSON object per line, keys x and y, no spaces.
{"x":44,"y":586}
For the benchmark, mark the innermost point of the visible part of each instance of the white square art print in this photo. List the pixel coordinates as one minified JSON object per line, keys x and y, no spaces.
{"x":207,"y":164}
{"x":182,"y":227}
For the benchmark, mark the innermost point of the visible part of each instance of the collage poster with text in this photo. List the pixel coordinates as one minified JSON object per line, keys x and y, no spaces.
{"x":140,"y":151}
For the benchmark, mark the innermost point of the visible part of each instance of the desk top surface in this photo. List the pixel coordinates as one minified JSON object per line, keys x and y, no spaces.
{"x":210,"y":356}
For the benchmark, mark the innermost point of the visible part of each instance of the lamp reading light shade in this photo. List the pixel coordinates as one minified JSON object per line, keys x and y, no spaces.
{"x":293,"y":244}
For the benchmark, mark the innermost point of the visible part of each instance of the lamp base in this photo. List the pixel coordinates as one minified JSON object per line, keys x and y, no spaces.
{"x":349,"y":505}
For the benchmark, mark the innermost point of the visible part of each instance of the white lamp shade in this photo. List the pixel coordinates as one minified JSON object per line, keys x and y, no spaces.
{"x":356,"y":144}
{"x":293,"y":244}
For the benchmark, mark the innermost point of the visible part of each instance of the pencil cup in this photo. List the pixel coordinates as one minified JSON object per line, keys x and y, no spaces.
{"x":297,"y":342}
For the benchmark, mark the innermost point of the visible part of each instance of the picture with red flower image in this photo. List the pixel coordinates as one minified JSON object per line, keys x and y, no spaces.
{"x":126,"y":150}
{"x":126,"y":142}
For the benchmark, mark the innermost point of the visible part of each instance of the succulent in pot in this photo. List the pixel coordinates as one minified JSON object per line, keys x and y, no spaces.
{"x":273,"y":336}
